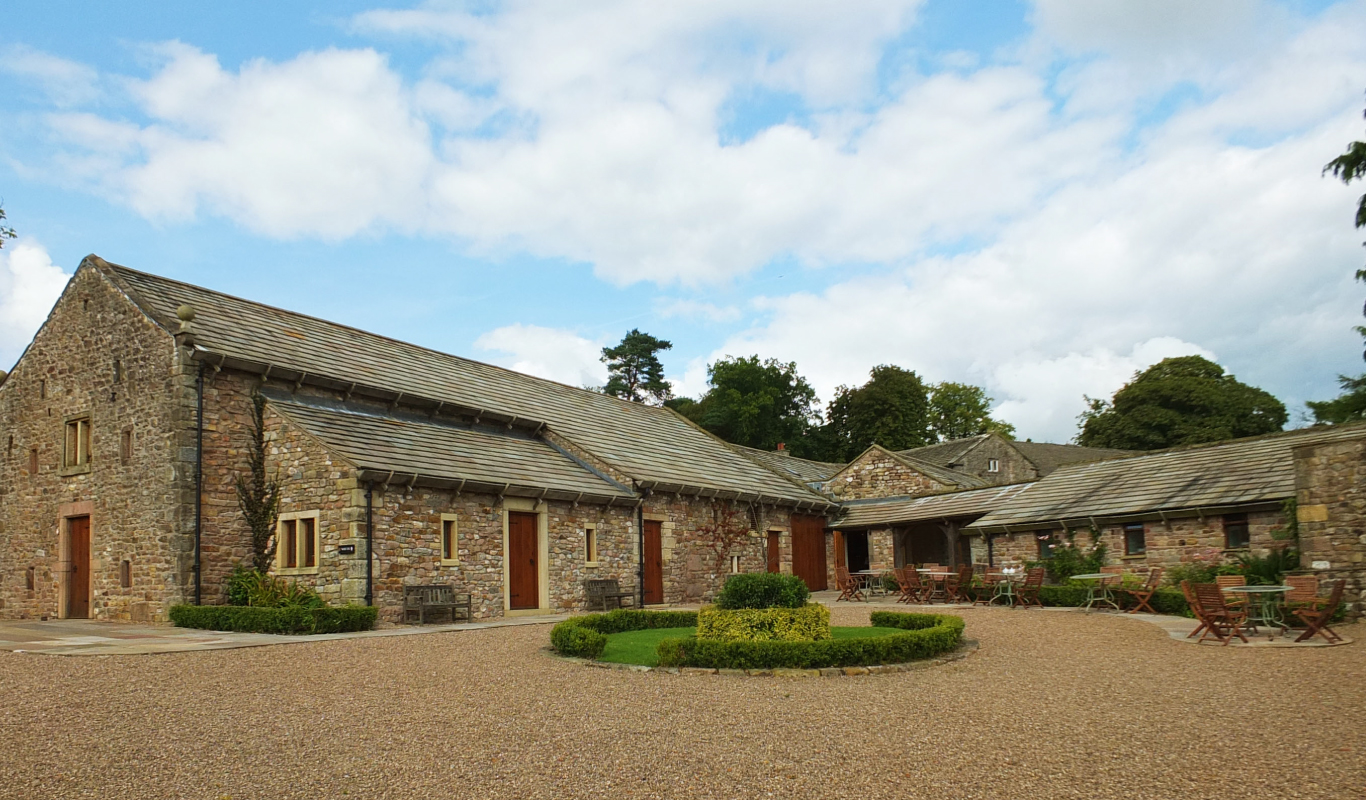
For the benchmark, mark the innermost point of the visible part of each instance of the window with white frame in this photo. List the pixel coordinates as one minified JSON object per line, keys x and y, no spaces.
{"x":296,"y":542}
{"x":993,"y":465}
{"x":450,"y":540}
{"x":735,"y":565}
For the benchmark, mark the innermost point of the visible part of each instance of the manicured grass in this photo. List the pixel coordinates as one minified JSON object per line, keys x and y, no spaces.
{"x":638,"y":647}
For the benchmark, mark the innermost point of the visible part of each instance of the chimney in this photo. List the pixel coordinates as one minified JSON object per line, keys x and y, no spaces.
{"x":782,"y":449}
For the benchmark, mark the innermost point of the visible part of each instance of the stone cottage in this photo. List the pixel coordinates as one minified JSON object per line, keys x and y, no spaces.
{"x":128,"y":419}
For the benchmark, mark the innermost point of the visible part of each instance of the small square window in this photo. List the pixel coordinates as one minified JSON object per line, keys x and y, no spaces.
{"x":1135,"y":544}
{"x":590,"y":544}
{"x":296,"y":540}
{"x":993,"y":465}
{"x":1236,"y":535}
{"x":735,"y":565}
{"x":76,"y":445}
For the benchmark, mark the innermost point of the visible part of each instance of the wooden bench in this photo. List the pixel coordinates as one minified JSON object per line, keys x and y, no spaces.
{"x":599,"y":590}
{"x":421,"y":599}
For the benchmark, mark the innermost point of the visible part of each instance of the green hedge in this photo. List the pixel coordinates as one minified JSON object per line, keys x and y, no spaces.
{"x":809,"y":623}
{"x":290,"y":619}
{"x":926,"y":636}
{"x":1164,"y":601}
{"x":586,"y":636}
{"x":763,"y":590}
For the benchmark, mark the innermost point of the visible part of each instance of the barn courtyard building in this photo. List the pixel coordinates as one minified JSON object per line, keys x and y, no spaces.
{"x":127,"y":423}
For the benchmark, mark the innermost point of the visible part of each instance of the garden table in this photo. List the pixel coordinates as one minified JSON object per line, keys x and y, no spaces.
{"x":937,"y":582}
{"x":1097,"y":589}
{"x":871,"y":580}
{"x":1266,"y":609}
{"x":1005,"y":586}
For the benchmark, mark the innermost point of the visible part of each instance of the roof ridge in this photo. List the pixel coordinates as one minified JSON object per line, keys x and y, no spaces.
{"x":405,"y":343}
{"x":1189,"y":448}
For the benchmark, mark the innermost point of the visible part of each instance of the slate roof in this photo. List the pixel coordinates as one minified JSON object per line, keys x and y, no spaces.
{"x":1245,"y":471}
{"x":802,"y":469}
{"x":484,"y":459}
{"x":899,"y":510}
{"x":653,"y":445}
{"x":1045,"y":456}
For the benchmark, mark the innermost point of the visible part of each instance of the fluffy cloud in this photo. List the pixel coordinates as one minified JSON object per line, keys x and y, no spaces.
{"x":552,"y":353}
{"x":65,"y":82}
{"x":29,"y":286}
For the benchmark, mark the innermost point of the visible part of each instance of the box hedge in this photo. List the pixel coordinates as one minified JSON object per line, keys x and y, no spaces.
{"x":924,"y":636}
{"x":289,"y":619}
{"x":763,"y":590}
{"x":809,"y":623}
{"x":586,"y":636}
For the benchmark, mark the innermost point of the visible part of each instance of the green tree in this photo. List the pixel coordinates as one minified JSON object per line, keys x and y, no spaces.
{"x":1351,"y":404}
{"x":892,"y":409}
{"x":757,"y":404}
{"x":958,"y":410}
{"x":5,"y":232}
{"x":1186,"y":400}
{"x":633,"y":369}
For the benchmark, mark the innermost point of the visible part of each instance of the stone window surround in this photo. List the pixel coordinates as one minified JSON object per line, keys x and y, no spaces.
{"x":590,"y":545}
{"x":455,"y":543}
{"x":282,"y":570}
{"x":88,"y":441}
{"x":541,"y":510}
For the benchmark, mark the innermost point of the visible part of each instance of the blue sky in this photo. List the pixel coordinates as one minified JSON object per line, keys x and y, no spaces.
{"x":1040,"y":198}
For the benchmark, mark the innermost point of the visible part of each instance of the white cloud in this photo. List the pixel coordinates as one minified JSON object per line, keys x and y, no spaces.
{"x":697,"y":310}
{"x":65,"y":82}
{"x":552,"y":353}
{"x":29,"y":286}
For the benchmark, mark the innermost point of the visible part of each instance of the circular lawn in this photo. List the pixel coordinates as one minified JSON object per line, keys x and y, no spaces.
{"x":638,"y":647}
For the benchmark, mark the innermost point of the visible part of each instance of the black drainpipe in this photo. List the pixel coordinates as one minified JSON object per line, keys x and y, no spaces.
{"x":369,"y":543}
{"x":199,"y":484}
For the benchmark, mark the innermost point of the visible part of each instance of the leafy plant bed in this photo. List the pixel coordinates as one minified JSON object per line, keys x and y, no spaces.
{"x":641,"y":647}
{"x":287,"y":619}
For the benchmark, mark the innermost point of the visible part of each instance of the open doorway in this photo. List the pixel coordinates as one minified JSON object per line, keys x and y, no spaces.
{"x":856,"y":550}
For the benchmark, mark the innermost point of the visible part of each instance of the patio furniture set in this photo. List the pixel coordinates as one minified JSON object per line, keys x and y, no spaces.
{"x":1275,"y":608}
{"x":931,"y":583}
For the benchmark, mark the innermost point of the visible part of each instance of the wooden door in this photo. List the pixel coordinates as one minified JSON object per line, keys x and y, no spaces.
{"x":653,"y":558}
{"x":775,"y":563}
{"x":524,"y":568}
{"x":78,"y":578}
{"x":808,"y":550}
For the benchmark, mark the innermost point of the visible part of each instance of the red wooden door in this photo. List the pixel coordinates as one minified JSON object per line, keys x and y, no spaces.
{"x":775,"y":563}
{"x":653,"y":558}
{"x":78,"y":579}
{"x":808,"y":550}
{"x":523,"y":561}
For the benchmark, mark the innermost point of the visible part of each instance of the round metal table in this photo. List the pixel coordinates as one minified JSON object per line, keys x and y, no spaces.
{"x":1266,"y":605}
{"x":1096,"y":589}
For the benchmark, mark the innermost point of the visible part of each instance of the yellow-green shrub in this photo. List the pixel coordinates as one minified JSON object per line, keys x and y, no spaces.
{"x":809,"y":623}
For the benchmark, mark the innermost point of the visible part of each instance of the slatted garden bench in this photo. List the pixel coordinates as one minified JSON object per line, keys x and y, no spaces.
{"x":600,"y":590}
{"x":421,"y":599}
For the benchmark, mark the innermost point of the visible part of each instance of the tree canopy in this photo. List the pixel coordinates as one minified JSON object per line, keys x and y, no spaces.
{"x":959,"y":410}
{"x":892,"y":409}
{"x":1178,"y":401}
{"x":633,"y":369}
{"x":1351,"y":404}
{"x":756,"y":403}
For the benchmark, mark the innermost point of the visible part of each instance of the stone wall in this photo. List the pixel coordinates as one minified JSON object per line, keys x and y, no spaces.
{"x":140,"y":509}
{"x":1330,"y":482}
{"x":1011,"y":466}
{"x":877,"y":473}
{"x":691,"y":569}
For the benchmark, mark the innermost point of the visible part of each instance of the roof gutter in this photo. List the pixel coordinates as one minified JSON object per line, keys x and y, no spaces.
{"x":1162,"y":515}
{"x":752,"y":497}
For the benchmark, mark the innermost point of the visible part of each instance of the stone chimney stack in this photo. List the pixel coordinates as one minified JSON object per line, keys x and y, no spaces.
{"x":782,"y":449}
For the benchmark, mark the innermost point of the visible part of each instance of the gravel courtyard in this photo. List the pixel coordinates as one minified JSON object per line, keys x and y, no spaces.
{"x":1053,"y":705}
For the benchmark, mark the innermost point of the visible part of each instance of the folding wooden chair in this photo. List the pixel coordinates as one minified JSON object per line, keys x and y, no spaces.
{"x":1304,"y":593}
{"x":1316,"y":619}
{"x":912,"y":590}
{"x":985,"y":587}
{"x":962,"y":590}
{"x":850,"y":587}
{"x":1028,"y":593}
{"x":1221,"y":621}
{"x":1144,"y":594}
{"x":1225,"y":581}
{"x":1194,"y":605}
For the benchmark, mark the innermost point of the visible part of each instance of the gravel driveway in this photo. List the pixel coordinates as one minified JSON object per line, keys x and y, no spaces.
{"x":1053,"y":705}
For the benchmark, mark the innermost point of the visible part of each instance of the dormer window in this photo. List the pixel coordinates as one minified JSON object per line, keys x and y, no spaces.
{"x":993,"y":465}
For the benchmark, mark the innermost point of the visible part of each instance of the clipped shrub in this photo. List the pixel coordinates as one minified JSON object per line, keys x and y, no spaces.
{"x":763,"y":590}
{"x":809,"y":623}
{"x":924,"y":636}
{"x":1164,"y":601}
{"x":287,"y":619}
{"x":586,"y":636}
